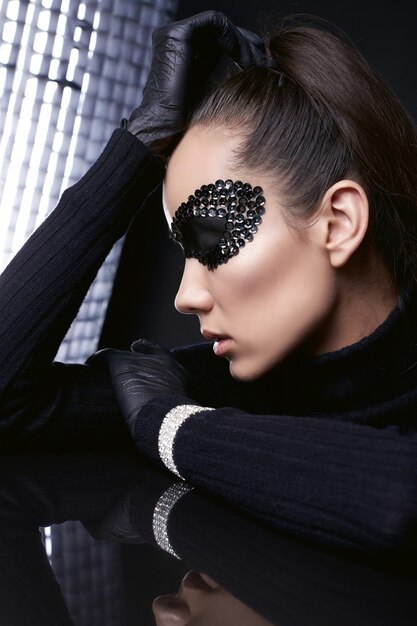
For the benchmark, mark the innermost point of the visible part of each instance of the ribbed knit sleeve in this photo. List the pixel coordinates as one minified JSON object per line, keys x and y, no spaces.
{"x":44,"y":285}
{"x":335,"y":482}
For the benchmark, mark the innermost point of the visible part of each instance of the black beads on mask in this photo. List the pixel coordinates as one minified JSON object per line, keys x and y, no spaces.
{"x":218,"y":220}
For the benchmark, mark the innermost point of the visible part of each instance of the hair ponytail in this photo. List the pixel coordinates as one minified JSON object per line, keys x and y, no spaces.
{"x":317,"y":113}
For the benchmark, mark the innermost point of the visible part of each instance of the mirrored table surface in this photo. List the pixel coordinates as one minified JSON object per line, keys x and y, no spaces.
{"x":105,"y":538}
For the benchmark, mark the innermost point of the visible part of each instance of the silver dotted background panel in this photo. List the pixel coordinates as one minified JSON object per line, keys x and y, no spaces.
{"x":69,"y":71}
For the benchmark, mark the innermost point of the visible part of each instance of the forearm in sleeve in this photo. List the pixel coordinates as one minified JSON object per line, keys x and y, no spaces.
{"x":44,"y":285}
{"x":336,"y":482}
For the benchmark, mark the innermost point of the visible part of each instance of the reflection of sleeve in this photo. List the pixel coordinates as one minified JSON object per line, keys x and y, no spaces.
{"x":335,"y":482}
{"x":43,"y":287}
{"x":29,"y":591}
{"x":286,"y":581}
{"x":40,"y":490}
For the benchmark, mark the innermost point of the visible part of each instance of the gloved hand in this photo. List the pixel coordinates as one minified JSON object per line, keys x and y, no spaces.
{"x":187,"y":56}
{"x":141,"y":376}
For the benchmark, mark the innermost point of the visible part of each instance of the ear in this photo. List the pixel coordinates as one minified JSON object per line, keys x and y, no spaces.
{"x":344,"y":220}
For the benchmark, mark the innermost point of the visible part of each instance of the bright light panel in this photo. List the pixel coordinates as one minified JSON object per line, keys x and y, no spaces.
{"x":54,"y":56}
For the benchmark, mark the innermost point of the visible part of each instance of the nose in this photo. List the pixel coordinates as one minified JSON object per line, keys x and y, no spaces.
{"x":193,"y":296}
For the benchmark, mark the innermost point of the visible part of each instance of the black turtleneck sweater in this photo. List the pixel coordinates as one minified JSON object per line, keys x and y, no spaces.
{"x":323,"y":447}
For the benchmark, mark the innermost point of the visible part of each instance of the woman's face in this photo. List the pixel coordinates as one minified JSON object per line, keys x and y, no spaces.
{"x":201,"y":602}
{"x":275,"y":293}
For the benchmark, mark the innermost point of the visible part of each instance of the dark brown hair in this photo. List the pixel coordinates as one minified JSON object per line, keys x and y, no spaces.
{"x":317,"y":113}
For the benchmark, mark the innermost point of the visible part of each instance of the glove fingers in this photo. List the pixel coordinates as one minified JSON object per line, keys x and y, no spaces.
{"x":252,"y":48}
{"x":170,"y":71}
{"x":189,"y":57}
{"x":243,"y":46}
{"x":150,"y":349}
{"x":241,"y":50}
{"x":143,"y":346}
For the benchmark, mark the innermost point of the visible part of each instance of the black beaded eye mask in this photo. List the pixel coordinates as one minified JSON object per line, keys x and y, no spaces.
{"x":218,"y":220}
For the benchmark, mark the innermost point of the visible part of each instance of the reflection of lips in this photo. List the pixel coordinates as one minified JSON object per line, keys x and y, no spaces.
{"x":194,"y":580}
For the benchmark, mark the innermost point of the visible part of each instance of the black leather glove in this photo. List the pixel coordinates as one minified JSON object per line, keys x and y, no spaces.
{"x":187,"y":57}
{"x":141,"y":376}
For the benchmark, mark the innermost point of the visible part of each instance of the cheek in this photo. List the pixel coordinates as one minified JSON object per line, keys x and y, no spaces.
{"x":276,"y":294}
{"x":266,"y":270}
{"x":232,"y":285}
{"x":299,"y":295}
{"x":272,"y":298}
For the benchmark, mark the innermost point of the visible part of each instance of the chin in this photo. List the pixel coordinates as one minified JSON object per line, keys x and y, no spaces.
{"x":244,"y":373}
{"x":248,"y":369}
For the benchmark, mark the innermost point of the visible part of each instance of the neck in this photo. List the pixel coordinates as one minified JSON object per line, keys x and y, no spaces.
{"x":362,"y":303}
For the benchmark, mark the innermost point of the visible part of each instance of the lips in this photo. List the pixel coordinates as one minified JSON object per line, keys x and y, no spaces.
{"x":211,"y":336}
{"x":223,"y":347}
{"x":207,"y":334}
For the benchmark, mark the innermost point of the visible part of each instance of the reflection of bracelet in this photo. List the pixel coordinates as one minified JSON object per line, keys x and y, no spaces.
{"x":161,"y":513}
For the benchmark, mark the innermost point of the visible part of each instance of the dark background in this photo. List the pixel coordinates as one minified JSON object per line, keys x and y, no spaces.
{"x":150,"y":267}
{"x":385,"y":32}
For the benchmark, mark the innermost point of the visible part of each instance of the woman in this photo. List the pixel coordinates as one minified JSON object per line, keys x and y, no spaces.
{"x":292,"y":194}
